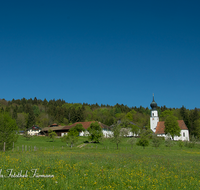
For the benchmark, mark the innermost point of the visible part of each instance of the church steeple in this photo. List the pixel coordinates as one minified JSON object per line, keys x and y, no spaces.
{"x":154,"y":119}
{"x":153,"y":104}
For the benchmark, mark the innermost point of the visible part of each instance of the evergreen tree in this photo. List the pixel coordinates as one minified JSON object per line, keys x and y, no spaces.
{"x":14,"y":116}
{"x":31,"y":118}
{"x":185,"y":116}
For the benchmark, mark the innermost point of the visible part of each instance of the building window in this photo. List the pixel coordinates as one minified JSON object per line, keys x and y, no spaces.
{"x":183,"y":134}
{"x":153,"y":114}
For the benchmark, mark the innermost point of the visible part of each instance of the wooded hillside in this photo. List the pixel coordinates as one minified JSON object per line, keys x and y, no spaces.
{"x":42,"y":113}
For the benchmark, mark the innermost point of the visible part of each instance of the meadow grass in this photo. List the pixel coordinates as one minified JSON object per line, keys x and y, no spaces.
{"x":100,"y":166}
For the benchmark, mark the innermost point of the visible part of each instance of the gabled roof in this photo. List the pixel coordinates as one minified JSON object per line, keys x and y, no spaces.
{"x":86,"y":125}
{"x":53,"y":128}
{"x":34,"y":127}
{"x":160,"y":129}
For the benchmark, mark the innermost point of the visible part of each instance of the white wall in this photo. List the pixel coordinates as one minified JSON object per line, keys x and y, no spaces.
{"x":153,"y":123}
{"x":30,"y":132}
{"x":184,"y":136}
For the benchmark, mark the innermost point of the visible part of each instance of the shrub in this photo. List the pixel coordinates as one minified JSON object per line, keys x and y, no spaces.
{"x":180,"y":143}
{"x":143,"y":142}
{"x":156,"y":141}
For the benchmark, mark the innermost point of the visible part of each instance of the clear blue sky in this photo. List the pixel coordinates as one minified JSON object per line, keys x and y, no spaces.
{"x":101,"y":51}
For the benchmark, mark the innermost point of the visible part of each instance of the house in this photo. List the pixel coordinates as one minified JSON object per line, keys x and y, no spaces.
{"x":62,"y":130}
{"x":34,"y":130}
{"x":105,"y":129}
{"x":158,"y":127}
{"x":58,"y":129}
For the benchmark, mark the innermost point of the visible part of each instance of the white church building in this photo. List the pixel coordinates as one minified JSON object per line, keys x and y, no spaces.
{"x":158,"y":127}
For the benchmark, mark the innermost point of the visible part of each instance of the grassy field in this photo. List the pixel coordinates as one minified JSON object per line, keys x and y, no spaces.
{"x":99,"y":166}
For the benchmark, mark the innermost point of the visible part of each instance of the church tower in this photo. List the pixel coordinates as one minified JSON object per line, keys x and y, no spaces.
{"x":154,"y":119}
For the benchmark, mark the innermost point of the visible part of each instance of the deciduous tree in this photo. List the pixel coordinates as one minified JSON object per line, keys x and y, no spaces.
{"x":8,"y":131}
{"x":171,"y":126}
{"x":95,"y":132}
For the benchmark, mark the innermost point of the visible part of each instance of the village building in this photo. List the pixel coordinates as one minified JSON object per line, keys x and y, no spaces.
{"x":34,"y":130}
{"x":158,"y":127}
{"x":63,"y":130}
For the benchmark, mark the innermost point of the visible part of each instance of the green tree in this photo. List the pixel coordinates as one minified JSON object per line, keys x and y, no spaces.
{"x":31,"y":116}
{"x":8,"y":131}
{"x":116,"y":136}
{"x":52,"y":134}
{"x":14,"y":116}
{"x":165,"y":114}
{"x":156,"y":141}
{"x":22,"y":120}
{"x":143,"y":142}
{"x":172,"y":127}
{"x":36,"y":110}
{"x":71,"y":137}
{"x":135,"y":129}
{"x":95,"y":132}
{"x":79,"y":128}
{"x":129,"y":116}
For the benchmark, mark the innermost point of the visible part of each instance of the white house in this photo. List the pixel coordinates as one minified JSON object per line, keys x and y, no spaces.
{"x":158,"y":127}
{"x":34,"y":130}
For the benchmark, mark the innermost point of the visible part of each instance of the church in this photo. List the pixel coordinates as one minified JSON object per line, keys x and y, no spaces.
{"x":158,"y":127}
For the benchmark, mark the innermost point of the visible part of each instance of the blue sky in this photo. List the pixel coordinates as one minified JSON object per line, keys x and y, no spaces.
{"x":101,"y":51}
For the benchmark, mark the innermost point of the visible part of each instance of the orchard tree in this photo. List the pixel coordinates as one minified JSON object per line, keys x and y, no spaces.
{"x":8,"y":131}
{"x":171,"y":126}
{"x":71,"y":137}
{"x":79,"y":128}
{"x":95,"y":132}
{"x":116,"y":136}
{"x":143,"y":142}
{"x":52,"y":134}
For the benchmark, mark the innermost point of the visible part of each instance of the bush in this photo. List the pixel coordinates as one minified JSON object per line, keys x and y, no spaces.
{"x":169,"y":143}
{"x":180,"y":143}
{"x":192,"y":142}
{"x":156,"y":141}
{"x":143,"y":142}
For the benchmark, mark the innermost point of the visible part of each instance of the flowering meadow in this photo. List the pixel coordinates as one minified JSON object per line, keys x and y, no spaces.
{"x":99,"y":166}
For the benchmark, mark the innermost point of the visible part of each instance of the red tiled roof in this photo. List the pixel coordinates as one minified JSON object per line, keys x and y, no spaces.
{"x":160,"y":129}
{"x":85,"y":124}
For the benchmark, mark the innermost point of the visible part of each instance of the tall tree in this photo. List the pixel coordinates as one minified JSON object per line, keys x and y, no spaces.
{"x":31,"y":118}
{"x":8,"y":131}
{"x":172,"y":127}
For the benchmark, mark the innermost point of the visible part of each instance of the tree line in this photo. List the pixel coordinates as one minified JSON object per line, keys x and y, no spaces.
{"x":29,"y":112}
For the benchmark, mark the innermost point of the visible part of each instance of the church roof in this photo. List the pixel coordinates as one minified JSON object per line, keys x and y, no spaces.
{"x":153,"y":104}
{"x":160,"y":129}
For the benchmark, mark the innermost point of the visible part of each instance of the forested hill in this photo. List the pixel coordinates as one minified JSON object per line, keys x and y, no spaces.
{"x":42,"y":113}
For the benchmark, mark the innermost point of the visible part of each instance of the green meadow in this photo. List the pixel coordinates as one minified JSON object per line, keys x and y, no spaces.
{"x":54,"y":165}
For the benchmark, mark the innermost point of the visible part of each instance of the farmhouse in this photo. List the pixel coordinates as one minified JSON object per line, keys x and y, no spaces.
{"x":159,"y":128}
{"x":34,"y":130}
{"x":58,"y":129}
{"x":62,"y":130}
{"x":105,"y":129}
